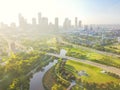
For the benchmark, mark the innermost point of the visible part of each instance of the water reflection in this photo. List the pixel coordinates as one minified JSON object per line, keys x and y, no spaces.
{"x":36,"y":80}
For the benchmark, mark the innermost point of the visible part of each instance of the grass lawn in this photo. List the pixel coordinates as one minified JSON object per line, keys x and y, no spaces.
{"x":94,"y":73}
{"x":113,"y":48}
{"x":93,"y":56}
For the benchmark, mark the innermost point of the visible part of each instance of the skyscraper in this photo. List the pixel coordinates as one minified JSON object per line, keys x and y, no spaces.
{"x":39,"y":18}
{"x":51,"y":26}
{"x":44,"y":21}
{"x":85,"y":27}
{"x":34,"y":21}
{"x":80,"y":24}
{"x":76,"y":22}
{"x":22,"y":21}
{"x":56,"y":23}
{"x":67,"y":24}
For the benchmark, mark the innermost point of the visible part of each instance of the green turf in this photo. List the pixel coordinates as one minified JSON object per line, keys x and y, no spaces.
{"x":113,"y":48}
{"x":94,"y":56}
{"x":94,"y":73}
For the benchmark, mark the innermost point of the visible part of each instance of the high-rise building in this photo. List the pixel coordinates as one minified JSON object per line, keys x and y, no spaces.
{"x":44,"y":21}
{"x":51,"y":26}
{"x":67,"y":23}
{"x":76,"y":22}
{"x":56,"y":23}
{"x":85,"y":27}
{"x":39,"y":18}
{"x":80,"y":24}
{"x":34,"y":21}
{"x":22,"y":21}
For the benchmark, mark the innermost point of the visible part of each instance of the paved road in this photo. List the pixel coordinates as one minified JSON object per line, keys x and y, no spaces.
{"x":104,"y":67}
{"x":91,"y":49}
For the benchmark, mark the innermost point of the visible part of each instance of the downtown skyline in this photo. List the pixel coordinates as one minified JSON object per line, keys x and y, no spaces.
{"x":89,"y":11}
{"x":41,"y":22}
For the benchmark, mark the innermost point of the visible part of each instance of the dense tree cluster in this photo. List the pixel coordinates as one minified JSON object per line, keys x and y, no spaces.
{"x":16,"y":74}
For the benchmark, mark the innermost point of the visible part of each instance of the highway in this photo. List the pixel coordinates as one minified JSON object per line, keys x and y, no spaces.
{"x":104,"y":67}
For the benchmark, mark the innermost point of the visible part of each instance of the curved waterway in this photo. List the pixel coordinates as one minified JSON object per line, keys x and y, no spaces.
{"x":36,"y":80}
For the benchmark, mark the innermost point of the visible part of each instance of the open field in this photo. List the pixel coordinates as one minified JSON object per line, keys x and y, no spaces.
{"x":94,"y":73}
{"x":93,"y":56}
{"x":95,"y":79}
{"x":115,"y":48}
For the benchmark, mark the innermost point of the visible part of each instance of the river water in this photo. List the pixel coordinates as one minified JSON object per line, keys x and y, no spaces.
{"x":36,"y":80}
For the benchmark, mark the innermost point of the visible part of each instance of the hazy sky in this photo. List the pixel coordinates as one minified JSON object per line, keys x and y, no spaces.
{"x":89,"y":11}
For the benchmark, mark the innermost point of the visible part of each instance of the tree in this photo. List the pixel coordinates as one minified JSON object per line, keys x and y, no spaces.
{"x":57,"y":87}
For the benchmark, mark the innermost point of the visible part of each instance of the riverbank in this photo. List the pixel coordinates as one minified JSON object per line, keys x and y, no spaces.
{"x":36,"y":80}
{"x":50,"y":81}
{"x":93,"y":77}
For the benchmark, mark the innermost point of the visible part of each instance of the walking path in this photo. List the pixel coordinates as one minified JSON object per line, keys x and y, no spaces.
{"x":73,"y":83}
{"x":87,"y":48}
{"x":104,"y":67}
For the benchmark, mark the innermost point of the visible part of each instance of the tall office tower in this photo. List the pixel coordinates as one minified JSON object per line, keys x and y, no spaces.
{"x":39,"y":18}
{"x":76,"y":22}
{"x":34,"y":21}
{"x":56,"y":23}
{"x":45,"y":21}
{"x":85,"y":27}
{"x":22,"y":21}
{"x":51,"y":26}
{"x":67,"y":23}
{"x":80,"y":24}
